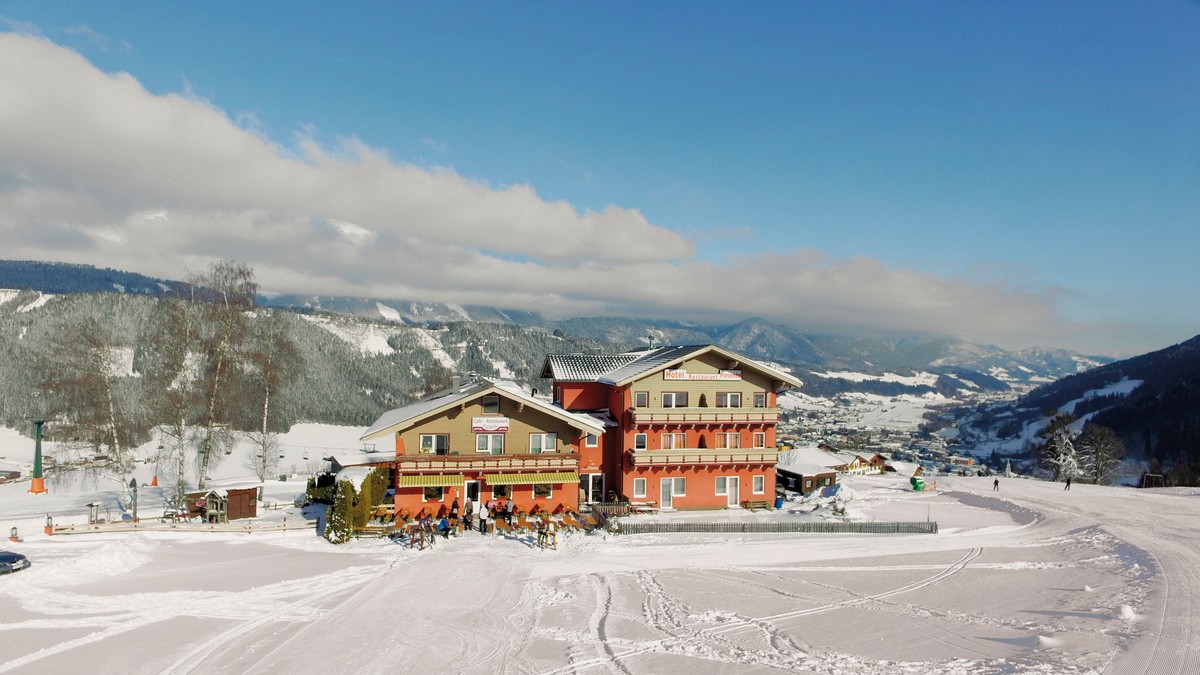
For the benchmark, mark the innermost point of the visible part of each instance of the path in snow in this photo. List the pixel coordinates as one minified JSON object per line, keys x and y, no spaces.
{"x":1030,"y":579}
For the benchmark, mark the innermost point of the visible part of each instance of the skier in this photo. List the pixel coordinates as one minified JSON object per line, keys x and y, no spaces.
{"x":996,"y":484}
{"x":1068,"y":487}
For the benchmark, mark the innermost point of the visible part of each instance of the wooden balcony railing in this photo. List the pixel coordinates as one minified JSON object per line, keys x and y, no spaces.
{"x":474,"y":462}
{"x":699,"y":456}
{"x":643,"y":416}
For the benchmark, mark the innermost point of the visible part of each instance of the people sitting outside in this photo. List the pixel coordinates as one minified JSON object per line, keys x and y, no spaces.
{"x":444,"y":527}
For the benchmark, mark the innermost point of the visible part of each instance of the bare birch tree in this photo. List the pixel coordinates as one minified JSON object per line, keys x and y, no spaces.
{"x":229,"y":292}
{"x":79,"y":383}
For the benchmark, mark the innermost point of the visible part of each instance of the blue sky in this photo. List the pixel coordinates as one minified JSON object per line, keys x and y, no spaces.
{"x":1014,"y":173}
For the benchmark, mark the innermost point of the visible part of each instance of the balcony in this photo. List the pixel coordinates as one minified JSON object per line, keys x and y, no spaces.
{"x":703,"y":456}
{"x":455,"y":464}
{"x":705,"y":416}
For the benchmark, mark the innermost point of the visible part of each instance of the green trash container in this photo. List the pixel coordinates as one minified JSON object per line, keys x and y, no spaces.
{"x":918,"y":484}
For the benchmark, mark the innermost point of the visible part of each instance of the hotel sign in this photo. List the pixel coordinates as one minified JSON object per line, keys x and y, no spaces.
{"x":670,"y":374}
{"x":489,"y":424}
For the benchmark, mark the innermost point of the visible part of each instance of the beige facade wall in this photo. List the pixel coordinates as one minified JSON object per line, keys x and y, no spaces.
{"x":706,"y":364}
{"x":458,"y":422}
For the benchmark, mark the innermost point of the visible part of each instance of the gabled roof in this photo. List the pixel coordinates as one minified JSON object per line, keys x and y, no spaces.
{"x":621,"y":369}
{"x":665,"y":357}
{"x":400,"y":419}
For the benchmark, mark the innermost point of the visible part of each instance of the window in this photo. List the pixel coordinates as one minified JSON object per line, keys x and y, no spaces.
{"x":539,"y":443}
{"x":674,"y":399}
{"x":678,"y":488}
{"x":729,"y":441}
{"x":432,"y":494}
{"x":491,"y":404}
{"x":501,"y":491}
{"x":639,"y":488}
{"x":542,"y":491}
{"x":557,"y":395}
{"x":722,"y":487}
{"x":591,"y":441}
{"x":641,"y":399}
{"x":729,"y":399}
{"x":674,"y":441}
{"x":758,"y":484}
{"x":639,"y":441}
{"x":760,"y":399}
{"x":760,"y":439}
{"x":491,"y":444}
{"x":435,"y":444}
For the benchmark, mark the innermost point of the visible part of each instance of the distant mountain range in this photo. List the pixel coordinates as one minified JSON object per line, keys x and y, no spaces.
{"x":961,"y":364}
{"x":1152,"y":402}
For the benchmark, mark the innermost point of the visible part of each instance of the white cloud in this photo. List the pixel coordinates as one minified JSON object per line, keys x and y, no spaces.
{"x":95,"y":169}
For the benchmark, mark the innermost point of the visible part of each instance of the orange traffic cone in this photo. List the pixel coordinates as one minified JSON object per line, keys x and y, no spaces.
{"x":154,"y":481}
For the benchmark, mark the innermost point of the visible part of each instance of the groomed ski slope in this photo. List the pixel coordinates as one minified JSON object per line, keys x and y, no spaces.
{"x":1029,"y":579}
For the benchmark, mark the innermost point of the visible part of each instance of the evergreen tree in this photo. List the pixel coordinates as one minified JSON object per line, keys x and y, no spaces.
{"x":339,"y":516}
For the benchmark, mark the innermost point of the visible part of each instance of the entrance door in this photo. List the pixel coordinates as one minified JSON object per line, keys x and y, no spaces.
{"x":471,"y":491}
{"x":666,"y":493}
{"x":592,"y":485}
{"x":732,"y":487}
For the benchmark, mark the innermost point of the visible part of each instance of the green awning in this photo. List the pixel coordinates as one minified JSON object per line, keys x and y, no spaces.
{"x":430,"y":480}
{"x":548,"y":478}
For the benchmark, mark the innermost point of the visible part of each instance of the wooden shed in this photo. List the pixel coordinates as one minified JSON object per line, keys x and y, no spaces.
{"x":222,"y":505}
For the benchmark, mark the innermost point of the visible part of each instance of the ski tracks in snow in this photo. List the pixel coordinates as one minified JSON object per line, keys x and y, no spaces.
{"x":667,"y":614}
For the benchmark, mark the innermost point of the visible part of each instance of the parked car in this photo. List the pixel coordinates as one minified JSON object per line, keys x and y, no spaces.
{"x":11,"y":562}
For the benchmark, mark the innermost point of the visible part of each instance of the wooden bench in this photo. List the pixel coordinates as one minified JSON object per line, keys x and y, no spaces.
{"x":643,"y":507}
{"x":755,"y":504}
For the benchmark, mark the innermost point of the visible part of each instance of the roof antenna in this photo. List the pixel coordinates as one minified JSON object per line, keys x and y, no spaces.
{"x":650,"y":338}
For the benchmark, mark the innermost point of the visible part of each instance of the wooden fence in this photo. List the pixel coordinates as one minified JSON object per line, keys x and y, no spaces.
{"x":239,"y":526}
{"x":814,"y":527}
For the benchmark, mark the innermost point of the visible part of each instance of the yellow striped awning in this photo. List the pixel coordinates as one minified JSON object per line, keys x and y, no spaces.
{"x":430,"y":480}
{"x":532,"y":478}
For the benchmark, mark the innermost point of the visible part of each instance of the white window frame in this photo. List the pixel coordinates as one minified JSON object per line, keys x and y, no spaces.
{"x":722,"y":438}
{"x":678,"y":399}
{"x":640,"y":441}
{"x":760,"y":399}
{"x":441,"y":494}
{"x":432,"y":443}
{"x":725,"y":399}
{"x":758,"y":484}
{"x":546,"y":440}
{"x":672,"y":440}
{"x":641,"y":399}
{"x":639,"y":488}
{"x":549,"y":491}
{"x":491,"y":444}
{"x":760,"y":439}
{"x":591,"y":440}
{"x":721,"y":486}
{"x":679,"y":487}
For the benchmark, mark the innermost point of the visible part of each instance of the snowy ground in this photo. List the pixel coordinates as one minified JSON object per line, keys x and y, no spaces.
{"x":1030,"y":579}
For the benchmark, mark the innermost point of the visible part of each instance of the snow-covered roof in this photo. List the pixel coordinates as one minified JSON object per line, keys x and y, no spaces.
{"x":804,"y":469}
{"x":618,"y":369}
{"x":811,"y":455}
{"x":355,"y":474}
{"x":402,"y":418}
{"x":583,"y":367}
